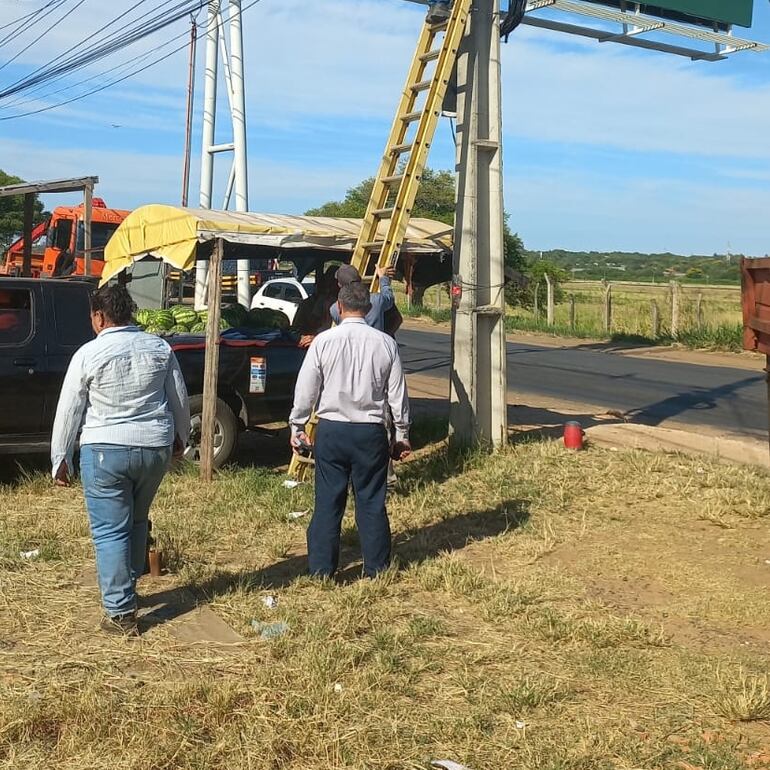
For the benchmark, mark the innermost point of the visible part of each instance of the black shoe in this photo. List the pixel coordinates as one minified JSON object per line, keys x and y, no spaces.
{"x":120,"y":625}
{"x":438,"y":13}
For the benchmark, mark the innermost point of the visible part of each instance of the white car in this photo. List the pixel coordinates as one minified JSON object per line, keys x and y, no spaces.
{"x":283,"y":294}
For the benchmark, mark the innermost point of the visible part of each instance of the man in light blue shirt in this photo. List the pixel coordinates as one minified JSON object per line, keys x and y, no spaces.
{"x":381,"y":301}
{"x":125,"y":393}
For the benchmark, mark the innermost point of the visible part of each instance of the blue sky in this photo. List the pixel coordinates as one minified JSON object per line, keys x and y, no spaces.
{"x":606,"y":147}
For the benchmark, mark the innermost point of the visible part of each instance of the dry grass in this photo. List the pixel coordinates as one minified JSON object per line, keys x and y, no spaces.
{"x":546,"y":610}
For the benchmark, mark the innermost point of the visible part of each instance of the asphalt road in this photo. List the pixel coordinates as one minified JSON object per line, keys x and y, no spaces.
{"x":651,"y":391}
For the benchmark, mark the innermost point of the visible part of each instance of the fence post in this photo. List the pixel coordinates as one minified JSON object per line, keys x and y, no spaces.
{"x":699,"y":311}
{"x":674,"y":308}
{"x":439,"y":287}
{"x":572,"y":312}
{"x":536,"y":303}
{"x":608,"y":308}
{"x":655,"y":319}
{"x":549,"y":308}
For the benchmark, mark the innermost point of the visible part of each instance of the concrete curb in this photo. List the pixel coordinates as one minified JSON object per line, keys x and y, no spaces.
{"x":654,"y":439}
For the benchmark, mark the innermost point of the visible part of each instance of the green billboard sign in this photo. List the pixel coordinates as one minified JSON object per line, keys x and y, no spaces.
{"x":703,"y":12}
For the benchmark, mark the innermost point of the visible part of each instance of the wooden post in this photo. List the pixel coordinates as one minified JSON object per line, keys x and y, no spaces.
{"x":572,"y":315}
{"x":655,"y":319}
{"x":536,"y":303}
{"x":674,"y":308}
{"x":87,"y":216}
{"x":549,"y":308}
{"x":29,"y":213}
{"x":439,"y":288}
{"x":608,"y":308}
{"x":211,"y":364}
{"x":699,"y":311}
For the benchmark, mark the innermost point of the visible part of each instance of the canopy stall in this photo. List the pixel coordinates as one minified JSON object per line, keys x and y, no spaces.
{"x":179,"y":236}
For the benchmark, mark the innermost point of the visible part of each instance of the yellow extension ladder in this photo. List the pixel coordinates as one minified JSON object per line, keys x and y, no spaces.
{"x":406,"y":154}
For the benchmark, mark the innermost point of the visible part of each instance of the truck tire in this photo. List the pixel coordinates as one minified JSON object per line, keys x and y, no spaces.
{"x":225,"y":432}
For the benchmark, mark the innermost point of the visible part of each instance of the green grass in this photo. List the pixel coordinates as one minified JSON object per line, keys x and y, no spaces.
{"x":545,"y":609}
{"x":720,"y":329}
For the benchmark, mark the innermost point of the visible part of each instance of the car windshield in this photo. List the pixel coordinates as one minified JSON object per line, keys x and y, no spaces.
{"x":309,"y":287}
{"x":101,"y":232}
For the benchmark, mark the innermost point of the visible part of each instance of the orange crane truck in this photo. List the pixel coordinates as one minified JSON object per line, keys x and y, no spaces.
{"x":57,"y":243}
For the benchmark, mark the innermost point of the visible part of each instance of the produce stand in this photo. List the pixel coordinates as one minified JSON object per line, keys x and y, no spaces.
{"x":183,"y":237}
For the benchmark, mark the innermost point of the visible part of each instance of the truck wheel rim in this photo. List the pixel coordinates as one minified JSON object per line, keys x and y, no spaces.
{"x":193,"y":451}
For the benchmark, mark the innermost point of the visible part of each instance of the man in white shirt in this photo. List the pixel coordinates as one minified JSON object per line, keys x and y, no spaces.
{"x":353,"y":373}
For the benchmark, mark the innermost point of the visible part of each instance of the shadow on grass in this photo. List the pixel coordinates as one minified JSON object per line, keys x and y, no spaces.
{"x":412,"y":546}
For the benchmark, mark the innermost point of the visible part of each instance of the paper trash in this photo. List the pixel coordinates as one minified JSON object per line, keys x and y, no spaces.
{"x":33,"y":554}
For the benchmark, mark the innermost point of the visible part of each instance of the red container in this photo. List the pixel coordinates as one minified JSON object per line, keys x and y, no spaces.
{"x":573,"y":435}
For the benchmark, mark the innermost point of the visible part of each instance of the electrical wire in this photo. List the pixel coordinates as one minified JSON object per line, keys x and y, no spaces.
{"x":20,"y":100}
{"x":114,"y":42}
{"x":29,"y":18}
{"x":105,"y":86}
{"x":27,"y":15}
{"x":41,"y":35}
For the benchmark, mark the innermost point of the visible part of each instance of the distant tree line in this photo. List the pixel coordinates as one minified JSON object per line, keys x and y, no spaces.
{"x":635,"y":266}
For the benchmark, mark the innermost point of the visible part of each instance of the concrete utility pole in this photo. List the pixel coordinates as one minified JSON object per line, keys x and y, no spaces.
{"x":478,"y":409}
{"x":233,"y":73}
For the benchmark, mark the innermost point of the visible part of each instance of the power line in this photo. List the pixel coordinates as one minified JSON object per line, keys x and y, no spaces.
{"x":21,"y":100}
{"x":113,"y":42}
{"x":27,"y":15}
{"x":114,"y":82}
{"x":27,"y":19}
{"x":41,"y":35}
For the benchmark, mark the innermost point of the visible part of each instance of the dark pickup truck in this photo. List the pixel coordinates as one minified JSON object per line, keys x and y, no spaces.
{"x":44,"y":321}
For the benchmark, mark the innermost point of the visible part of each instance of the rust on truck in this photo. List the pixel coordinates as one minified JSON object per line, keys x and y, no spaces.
{"x":755,"y":294}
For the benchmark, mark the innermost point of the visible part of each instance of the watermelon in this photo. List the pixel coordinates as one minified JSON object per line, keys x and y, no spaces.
{"x":265,"y":318}
{"x":259,"y":318}
{"x":179,"y":329}
{"x":224,"y":324}
{"x":150,"y":329}
{"x":279,"y":320}
{"x":198,"y":328}
{"x":163,"y":319}
{"x":186,"y":316}
{"x":143,"y":316}
{"x":236,"y":315}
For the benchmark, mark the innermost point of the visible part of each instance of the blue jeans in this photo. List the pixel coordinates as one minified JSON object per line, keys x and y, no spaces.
{"x":120,"y":484}
{"x":349,"y":452}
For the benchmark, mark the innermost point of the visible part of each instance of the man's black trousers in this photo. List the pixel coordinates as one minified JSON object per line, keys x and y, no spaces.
{"x":358,"y":453}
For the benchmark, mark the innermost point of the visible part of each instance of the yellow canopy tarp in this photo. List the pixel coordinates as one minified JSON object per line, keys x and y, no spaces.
{"x":172,"y":234}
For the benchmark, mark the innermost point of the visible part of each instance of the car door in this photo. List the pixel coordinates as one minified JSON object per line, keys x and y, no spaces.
{"x":273,"y":296}
{"x":293,"y":295}
{"x":69,"y":306}
{"x":22,"y":360}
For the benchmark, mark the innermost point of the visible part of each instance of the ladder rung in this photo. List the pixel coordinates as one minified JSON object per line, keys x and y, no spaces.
{"x":430,"y":56}
{"x":410,"y":117}
{"x":372,"y":245}
{"x":442,"y":25}
{"x":399,"y":149}
{"x":384,"y":213}
{"x":392,"y":179}
{"x":423,"y":85}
